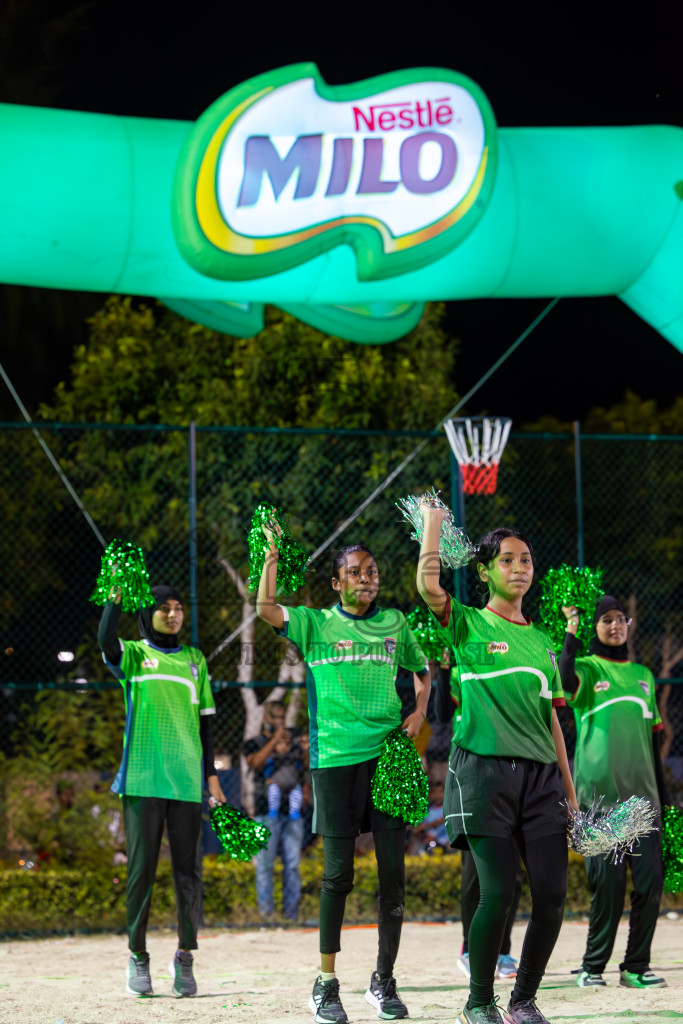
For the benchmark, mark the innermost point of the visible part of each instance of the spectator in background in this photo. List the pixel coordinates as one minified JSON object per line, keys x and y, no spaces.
{"x":277,"y":760}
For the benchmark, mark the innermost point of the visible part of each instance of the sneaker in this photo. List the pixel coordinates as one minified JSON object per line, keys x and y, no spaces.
{"x":180,"y":969}
{"x":463,"y":963}
{"x":506,"y":966}
{"x":586,"y":979}
{"x":481,"y":1014}
{"x":325,"y":1004}
{"x":383,"y":996}
{"x":648,"y":979}
{"x":524,"y":1013}
{"x":138,"y":981}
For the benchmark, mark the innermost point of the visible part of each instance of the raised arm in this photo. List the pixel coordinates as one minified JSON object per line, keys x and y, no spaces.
{"x":428,"y":566}
{"x":267,"y":607}
{"x":108,"y":628}
{"x":570,"y":647}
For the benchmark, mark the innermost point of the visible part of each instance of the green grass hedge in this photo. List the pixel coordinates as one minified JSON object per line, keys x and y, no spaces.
{"x":67,"y":901}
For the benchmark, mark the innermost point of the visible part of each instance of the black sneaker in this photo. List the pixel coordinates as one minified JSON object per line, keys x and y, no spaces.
{"x":383,"y":996}
{"x":325,"y":1004}
{"x":488,"y":1014}
{"x":180,"y":969}
{"x":138,"y":981}
{"x":524,"y":1013}
{"x":586,"y":979}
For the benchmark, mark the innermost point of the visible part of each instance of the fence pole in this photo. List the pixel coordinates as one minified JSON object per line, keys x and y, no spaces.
{"x":458,"y":508}
{"x":194,"y":557}
{"x":580,"y":554}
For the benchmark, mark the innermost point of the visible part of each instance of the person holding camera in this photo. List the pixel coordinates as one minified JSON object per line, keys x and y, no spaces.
{"x":278,"y":764}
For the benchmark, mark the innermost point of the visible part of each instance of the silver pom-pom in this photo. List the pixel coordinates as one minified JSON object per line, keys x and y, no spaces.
{"x":455,"y":547}
{"x":599,"y":832}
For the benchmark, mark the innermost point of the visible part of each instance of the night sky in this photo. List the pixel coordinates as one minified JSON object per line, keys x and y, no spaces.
{"x":538,"y":67}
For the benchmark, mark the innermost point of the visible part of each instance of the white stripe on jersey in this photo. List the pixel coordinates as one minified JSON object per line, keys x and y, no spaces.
{"x":463,"y":813}
{"x":194,"y":699}
{"x":545,"y":689}
{"x":617,"y":700}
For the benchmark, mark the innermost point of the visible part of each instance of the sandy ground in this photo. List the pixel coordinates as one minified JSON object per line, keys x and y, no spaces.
{"x":265,"y":976}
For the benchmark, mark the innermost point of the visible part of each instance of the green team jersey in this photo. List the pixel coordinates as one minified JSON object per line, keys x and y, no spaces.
{"x":165,"y":693}
{"x":616,"y":713}
{"x":352,"y":662}
{"x":508,"y":683}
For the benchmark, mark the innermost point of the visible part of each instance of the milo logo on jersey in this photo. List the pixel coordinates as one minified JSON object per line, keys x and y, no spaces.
{"x":497,"y":648}
{"x":284,"y":167}
{"x":602,"y":684}
{"x":344,"y":645}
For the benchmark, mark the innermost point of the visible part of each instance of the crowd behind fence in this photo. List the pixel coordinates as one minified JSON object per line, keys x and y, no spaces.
{"x":186,"y":496}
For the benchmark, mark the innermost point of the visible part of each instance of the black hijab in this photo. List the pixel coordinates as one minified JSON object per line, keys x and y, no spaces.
{"x":167,"y":641}
{"x":596,"y":646}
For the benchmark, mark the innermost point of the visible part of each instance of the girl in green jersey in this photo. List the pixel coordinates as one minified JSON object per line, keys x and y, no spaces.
{"x":167,"y":734}
{"x":618,"y":731}
{"x":508,"y":780}
{"x":352,"y":653}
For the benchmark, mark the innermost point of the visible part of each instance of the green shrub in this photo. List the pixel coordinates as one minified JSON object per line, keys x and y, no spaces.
{"x":89,"y":900}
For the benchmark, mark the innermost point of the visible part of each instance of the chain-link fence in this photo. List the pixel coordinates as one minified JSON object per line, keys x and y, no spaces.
{"x":186,"y":497}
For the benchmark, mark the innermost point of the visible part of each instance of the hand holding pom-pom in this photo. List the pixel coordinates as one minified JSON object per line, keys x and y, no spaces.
{"x":268,"y":529}
{"x":399,"y":786}
{"x":123,"y":577}
{"x":455,"y":547}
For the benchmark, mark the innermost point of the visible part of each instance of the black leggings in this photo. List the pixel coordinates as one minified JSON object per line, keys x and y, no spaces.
{"x":337,"y":883}
{"x":144,"y":818}
{"x":469,"y":901}
{"x":495,"y":859}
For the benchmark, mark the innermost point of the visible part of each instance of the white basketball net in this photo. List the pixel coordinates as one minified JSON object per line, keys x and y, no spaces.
{"x":478,"y":441}
{"x":478,"y":444}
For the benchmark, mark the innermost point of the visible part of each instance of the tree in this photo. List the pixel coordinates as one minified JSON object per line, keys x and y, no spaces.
{"x":145,"y":373}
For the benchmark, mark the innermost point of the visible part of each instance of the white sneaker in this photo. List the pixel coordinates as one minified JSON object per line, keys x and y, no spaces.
{"x":463,"y":963}
{"x":506,"y":966}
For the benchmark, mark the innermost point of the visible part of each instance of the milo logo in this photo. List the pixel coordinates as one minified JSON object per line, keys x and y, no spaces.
{"x":497,"y":648}
{"x":344,"y":645}
{"x":285,"y":167}
{"x":602,"y":684}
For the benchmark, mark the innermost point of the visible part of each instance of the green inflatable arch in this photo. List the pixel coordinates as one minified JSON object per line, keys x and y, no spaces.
{"x":348,"y":206}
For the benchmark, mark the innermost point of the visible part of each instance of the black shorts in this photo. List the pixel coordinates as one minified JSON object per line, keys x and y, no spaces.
{"x":342,"y":804}
{"x":501,"y":796}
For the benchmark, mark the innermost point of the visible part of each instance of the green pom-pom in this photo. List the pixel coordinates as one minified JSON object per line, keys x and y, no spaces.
{"x":672,"y":848}
{"x":570,"y":586}
{"x":427,"y":634}
{"x":292,"y":559}
{"x":399,"y":786}
{"x":123,"y":568}
{"x":241,"y":837}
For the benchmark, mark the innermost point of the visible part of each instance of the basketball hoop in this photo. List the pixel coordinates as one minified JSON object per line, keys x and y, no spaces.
{"x":477,"y":443}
